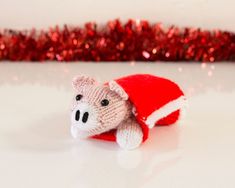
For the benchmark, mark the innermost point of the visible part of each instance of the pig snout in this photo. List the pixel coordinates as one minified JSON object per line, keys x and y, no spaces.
{"x":84,"y":116}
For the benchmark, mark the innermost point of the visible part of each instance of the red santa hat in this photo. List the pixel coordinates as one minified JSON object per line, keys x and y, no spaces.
{"x":155,"y":100}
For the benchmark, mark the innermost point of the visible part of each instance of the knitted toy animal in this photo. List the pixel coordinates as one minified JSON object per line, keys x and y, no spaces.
{"x":123,"y":110}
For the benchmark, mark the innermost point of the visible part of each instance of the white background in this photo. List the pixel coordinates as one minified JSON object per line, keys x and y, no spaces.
{"x":209,"y":14}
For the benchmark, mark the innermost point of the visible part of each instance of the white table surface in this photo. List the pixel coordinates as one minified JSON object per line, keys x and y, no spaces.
{"x":36,"y":149}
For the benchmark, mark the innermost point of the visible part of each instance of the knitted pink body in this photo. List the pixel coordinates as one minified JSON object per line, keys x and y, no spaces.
{"x":125,"y":109}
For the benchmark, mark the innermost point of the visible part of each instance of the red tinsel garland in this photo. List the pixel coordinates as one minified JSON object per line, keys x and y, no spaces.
{"x":132,"y":41}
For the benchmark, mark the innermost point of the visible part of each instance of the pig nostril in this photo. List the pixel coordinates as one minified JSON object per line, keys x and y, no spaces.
{"x":77,"y":116}
{"x":85,"y":117}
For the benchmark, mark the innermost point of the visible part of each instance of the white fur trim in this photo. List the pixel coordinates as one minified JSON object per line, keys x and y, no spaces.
{"x":114,"y":86}
{"x":165,"y":111}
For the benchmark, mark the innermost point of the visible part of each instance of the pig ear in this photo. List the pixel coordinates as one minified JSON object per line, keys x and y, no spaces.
{"x":81,"y":80}
{"x":114,"y":86}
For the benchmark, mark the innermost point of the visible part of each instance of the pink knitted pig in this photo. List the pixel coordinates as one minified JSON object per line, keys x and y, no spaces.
{"x":123,"y":110}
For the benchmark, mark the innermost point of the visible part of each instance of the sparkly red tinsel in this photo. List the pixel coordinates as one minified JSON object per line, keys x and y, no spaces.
{"x":134,"y":40}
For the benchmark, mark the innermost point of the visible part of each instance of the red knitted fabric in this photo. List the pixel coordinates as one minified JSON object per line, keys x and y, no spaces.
{"x":148,"y":94}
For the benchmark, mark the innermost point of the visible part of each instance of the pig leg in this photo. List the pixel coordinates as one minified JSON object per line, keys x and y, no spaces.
{"x":129,"y":134}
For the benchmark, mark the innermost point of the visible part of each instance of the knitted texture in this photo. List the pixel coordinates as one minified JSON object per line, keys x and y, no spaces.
{"x":129,"y":134}
{"x":106,"y":117}
{"x":150,"y":95}
{"x":123,"y":110}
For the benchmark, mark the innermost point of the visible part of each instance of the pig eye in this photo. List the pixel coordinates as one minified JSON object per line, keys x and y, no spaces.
{"x":104,"y":102}
{"x":78,"y":97}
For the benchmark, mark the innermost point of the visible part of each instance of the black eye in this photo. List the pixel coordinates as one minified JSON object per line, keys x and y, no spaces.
{"x":78,"y":97}
{"x":104,"y":102}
